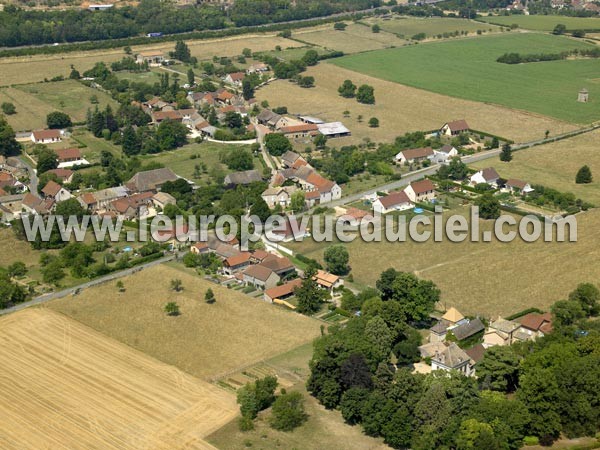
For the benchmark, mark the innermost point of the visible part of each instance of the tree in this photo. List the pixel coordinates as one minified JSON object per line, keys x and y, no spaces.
{"x":288,"y":412}
{"x":416,"y":298}
{"x":584,"y":175}
{"x":374,"y":122}
{"x":8,"y":143}
{"x":70,"y":207}
{"x":247,"y":89}
{"x":10,"y":292}
{"x":587,"y":295}
{"x":474,"y":435}
{"x":489,"y":206}
{"x":366,"y":94}
{"x":306,"y":82}
{"x":277,"y":144}
{"x":351,"y":405}
{"x":355,"y":372}
{"x":311,"y":58}
{"x":209,"y":296}
{"x":171,"y":134}
{"x":58,"y":120}
{"x":182,"y":52}
{"x":375,"y":28}
{"x":260,"y":209}
{"x":559,"y":29}
{"x":347,"y":89}
{"x":339,"y":26}
{"x":53,"y":272}
{"x":506,"y":153}
{"x":566,"y":312}
{"x":191,"y":76}
{"x":309,"y":294}
{"x":380,"y":337}
{"x":172,"y":309}
{"x":46,"y":160}
{"x":254,"y":397}
{"x":8,"y":108}
{"x":120,"y":286}
{"x":298,"y":201}
{"x":176,"y":285}
{"x":337,"y":258}
{"x":131,"y":142}
{"x":320,"y":141}
{"x":499,"y":369}
{"x":540,"y":392}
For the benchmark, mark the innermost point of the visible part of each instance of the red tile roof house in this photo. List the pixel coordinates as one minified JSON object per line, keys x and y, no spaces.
{"x":281,"y":266}
{"x":455,"y":128}
{"x":420,"y":191}
{"x":518,"y":187}
{"x":65,"y":175}
{"x":235,"y":78}
{"x":282,"y":292}
{"x":46,"y":136}
{"x":56,"y":192}
{"x":299,"y":131}
{"x":236,"y":263}
{"x":68,"y":155}
{"x":536,"y":325}
{"x":414,"y":155}
{"x":396,"y":201}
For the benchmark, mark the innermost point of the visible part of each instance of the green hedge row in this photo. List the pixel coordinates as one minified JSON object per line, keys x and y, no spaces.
{"x":524,"y":313}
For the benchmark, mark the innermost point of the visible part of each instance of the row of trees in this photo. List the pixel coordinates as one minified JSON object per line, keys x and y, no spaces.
{"x":363,"y":94}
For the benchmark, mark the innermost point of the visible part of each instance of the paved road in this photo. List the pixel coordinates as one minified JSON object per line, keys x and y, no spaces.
{"x":487,"y":154}
{"x":65,"y":292}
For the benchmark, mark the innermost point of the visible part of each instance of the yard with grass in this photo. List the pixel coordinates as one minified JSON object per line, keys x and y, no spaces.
{"x":544,"y":23}
{"x":555,"y":165}
{"x":400,"y":109}
{"x":467,"y":68}
{"x":206,"y":340}
{"x":490,"y":279}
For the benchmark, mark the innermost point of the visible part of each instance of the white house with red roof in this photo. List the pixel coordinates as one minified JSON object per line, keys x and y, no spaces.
{"x":455,"y":128}
{"x":485,"y":176}
{"x":396,"y":201}
{"x":420,"y":191}
{"x":47,"y":136}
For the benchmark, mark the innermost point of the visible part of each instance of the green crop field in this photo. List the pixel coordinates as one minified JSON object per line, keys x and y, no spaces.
{"x":468,"y":69}
{"x":545,"y":23}
{"x":409,"y":26}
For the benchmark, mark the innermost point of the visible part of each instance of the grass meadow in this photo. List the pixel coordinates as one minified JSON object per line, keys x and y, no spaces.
{"x":409,"y":26}
{"x":555,"y":165}
{"x":205,"y":340}
{"x":545,"y":23}
{"x":468,"y":69}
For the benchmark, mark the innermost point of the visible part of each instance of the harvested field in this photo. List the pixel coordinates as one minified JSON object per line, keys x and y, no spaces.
{"x":30,"y":69}
{"x":355,"y":38}
{"x":555,"y":165}
{"x":545,"y":23}
{"x":400,"y":109}
{"x":431,"y":26}
{"x":67,"y":386}
{"x":490,"y":279}
{"x":205,"y":340}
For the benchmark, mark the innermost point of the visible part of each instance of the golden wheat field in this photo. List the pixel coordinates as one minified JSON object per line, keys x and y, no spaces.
{"x":205,"y":340}
{"x":399,"y":108}
{"x":65,"y":385}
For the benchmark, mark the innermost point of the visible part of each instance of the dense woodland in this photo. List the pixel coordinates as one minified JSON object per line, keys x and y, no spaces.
{"x":25,"y":27}
{"x":525,"y":393}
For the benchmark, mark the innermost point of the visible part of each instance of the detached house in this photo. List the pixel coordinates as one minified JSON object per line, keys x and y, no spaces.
{"x":243,"y":178}
{"x":445,"y":154}
{"x":65,"y":175}
{"x":46,"y":136}
{"x":486,"y":176}
{"x":518,"y":187}
{"x":420,"y":191}
{"x":452,"y":358}
{"x":536,"y":325}
{"x":236,"y":263}
{"x":282,"y":292}
{"x":455,"y":128}
{"x":396,"y":201}
{"x":501,"y":332}
{"x":414,"y":155}
{"x":56,"y":192}
{"x":151,"y":180}
{"x":235,"y":78}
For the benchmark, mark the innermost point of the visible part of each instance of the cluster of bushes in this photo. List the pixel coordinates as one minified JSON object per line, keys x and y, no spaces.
{"x":544,"y":196}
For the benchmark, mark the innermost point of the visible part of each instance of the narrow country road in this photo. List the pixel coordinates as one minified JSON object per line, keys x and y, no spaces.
{"x":65,"y":292}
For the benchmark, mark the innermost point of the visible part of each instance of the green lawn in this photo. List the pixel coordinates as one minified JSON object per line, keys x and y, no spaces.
{"x":545,"y":23}
{"x":94,"y":146}
{"x":468,"y":69}
{"x":183,"y":160}
{"x":69,"y":96}
{"x":150,"y":77}
{"x":409,"y":26}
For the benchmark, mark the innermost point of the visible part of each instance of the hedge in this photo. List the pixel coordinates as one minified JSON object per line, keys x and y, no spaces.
{"x":308,"y":261}
{"x":524,"y":313}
